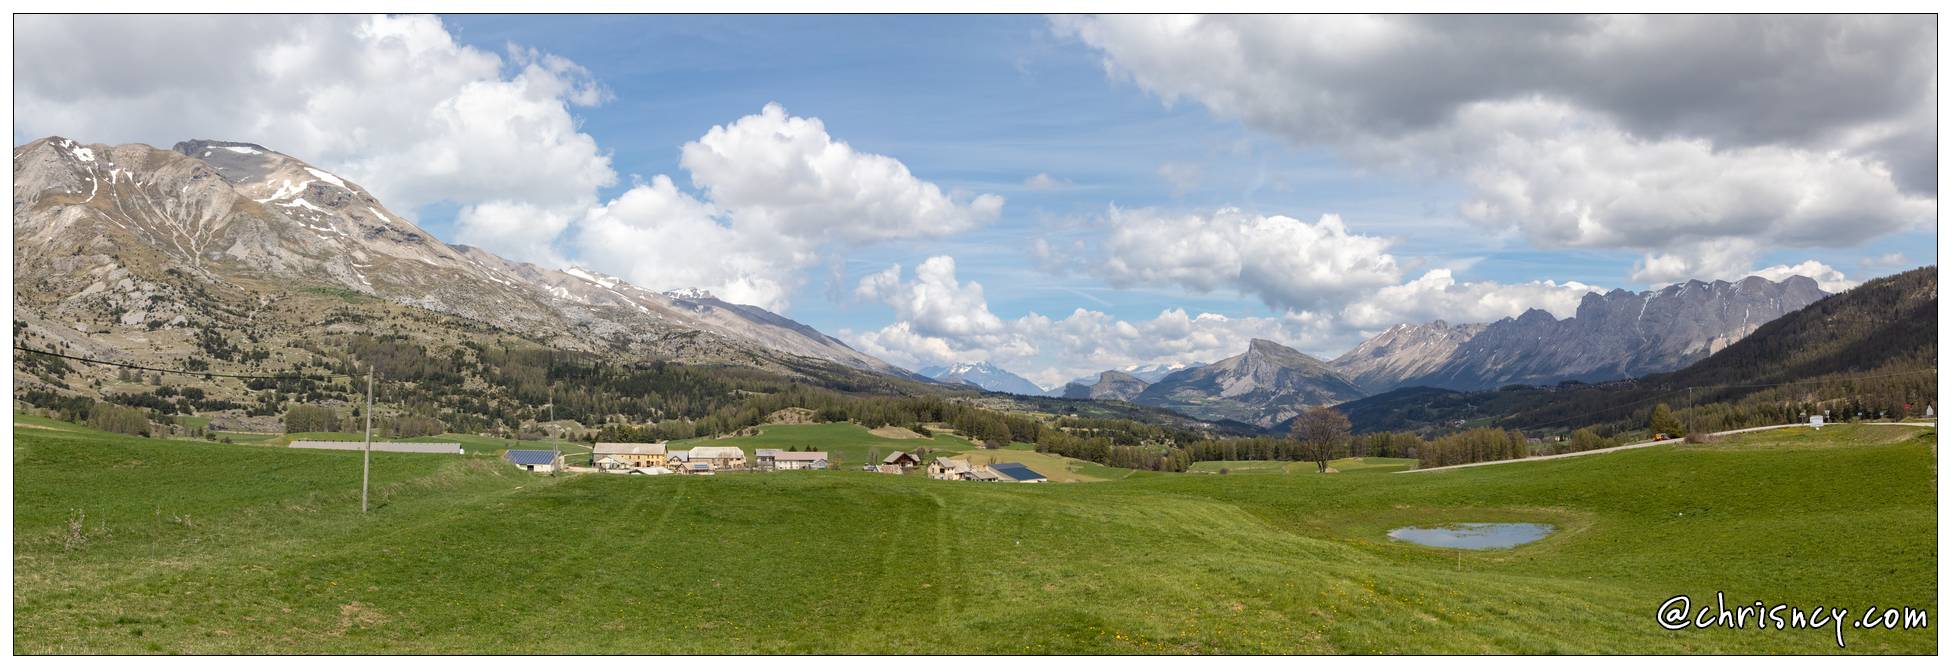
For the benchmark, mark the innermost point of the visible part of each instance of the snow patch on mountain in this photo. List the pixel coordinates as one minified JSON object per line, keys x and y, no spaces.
{"x":690,"y":294}
{"x":324,"y":176}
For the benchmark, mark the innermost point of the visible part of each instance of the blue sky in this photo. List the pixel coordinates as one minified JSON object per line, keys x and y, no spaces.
{"x":979,"y":104}
{"x":1435,"y":155}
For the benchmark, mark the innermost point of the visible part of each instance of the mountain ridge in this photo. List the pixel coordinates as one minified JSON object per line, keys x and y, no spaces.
{"x":216,"y":212}
{"x":1877,"y":340}
{"x":1617,"y":334}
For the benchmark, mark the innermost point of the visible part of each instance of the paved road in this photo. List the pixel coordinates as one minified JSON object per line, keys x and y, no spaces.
{"x":1629,"y":447}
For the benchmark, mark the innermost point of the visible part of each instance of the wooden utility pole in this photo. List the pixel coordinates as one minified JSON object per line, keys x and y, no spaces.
{"x":555,"y":449}
{"x":366,"y":471}
{"x":1690,"y":410}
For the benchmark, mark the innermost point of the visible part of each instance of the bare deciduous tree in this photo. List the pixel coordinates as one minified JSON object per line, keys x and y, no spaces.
{"x":1321,"y":432}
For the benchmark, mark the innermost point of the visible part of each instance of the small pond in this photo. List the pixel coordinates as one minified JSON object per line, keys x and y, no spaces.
{"x":1473,"y":536}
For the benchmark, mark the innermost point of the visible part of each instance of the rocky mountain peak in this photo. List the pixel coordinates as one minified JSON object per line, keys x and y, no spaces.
{"x":1264,"y":385}
{"x":1110,"y":385}
{"x":1615,"y":334}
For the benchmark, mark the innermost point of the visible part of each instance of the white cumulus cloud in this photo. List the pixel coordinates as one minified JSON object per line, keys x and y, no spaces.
{"x":940,"y":319}
{"x":785,"y":173}
{"x":1437,"y":295}
{"x":775,"y":191}
{"x":1288,"y":263}
{"x":1663,"y":134}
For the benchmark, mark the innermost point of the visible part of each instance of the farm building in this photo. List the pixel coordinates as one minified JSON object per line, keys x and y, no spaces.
{"x":383,"y":446}
{"x":765,"y":458}
{"x":532,"y":460}
{"x":628,"y":455}
{"x":901,"y":459}
{"x":793,"y":460}
{"x":719,"y":458}
{"x":1016,"y":472}
{"x":946,"y":469}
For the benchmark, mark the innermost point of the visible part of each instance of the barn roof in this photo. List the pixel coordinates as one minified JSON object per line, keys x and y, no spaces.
{"x":607,"y":448}
{"x":808,"y":456}
{"x":1016,"y":471}
{"x":897,"y":455}
{"x":386,"y":446}
{"x":527,"y":457}
{"x":712,"y":452}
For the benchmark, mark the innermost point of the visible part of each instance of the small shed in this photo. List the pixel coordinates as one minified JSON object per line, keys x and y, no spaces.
{"x":532,"y":460}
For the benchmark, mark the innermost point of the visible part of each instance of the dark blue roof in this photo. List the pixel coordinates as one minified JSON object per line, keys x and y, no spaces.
{"x":1016,"y":470}
{"x":531,"y":457}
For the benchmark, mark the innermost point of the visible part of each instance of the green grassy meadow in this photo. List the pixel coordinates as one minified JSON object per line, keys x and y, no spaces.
{"x":1343,"y":465}
{"x":129,"y":545}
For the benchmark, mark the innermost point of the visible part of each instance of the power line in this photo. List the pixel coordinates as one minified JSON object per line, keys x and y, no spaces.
{"x":112,"y":363}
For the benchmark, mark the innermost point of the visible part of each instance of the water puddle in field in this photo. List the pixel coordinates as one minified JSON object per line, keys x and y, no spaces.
{"x":1474,"y":536}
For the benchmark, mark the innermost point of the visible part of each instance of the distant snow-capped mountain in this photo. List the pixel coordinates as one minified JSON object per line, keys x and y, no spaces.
{"x":985,"y":376}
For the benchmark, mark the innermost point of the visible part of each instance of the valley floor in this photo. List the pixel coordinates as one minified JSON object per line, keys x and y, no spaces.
{"x":127,"y":545}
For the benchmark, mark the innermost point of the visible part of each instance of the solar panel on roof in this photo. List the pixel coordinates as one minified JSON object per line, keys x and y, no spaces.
{"x":1016,"y":471}
{"x":531,"y":457}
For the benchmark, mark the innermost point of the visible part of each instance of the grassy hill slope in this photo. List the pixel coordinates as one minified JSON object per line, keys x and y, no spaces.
{"x":134,"y":545}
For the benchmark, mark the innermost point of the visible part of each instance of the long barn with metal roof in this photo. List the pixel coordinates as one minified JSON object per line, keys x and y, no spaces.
{"x":1015,"y":471}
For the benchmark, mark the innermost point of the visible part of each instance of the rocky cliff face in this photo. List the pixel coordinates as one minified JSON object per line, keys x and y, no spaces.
{"x":133,"y":235}
{"x":1402,"y":352}
{"x":1110,"y":385}
{"x":1619,"y":334}
{"x":1267,"y":384}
